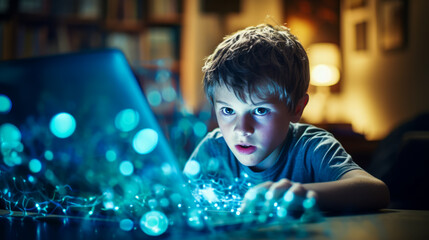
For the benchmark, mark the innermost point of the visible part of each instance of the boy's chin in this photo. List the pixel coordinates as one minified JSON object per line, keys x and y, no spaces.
{"x":251,"y":163}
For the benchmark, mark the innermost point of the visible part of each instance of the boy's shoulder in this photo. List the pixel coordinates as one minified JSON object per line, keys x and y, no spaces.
{"x":305,"y":131}
{"x":214,"y":134}
{"x":306,"y":128}
{"x":213,"y":139}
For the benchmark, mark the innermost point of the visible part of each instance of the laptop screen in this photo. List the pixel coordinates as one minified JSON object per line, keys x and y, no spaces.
{"x":78,"y":136}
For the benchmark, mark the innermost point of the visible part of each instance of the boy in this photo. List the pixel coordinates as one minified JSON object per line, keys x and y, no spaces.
{"x":257,"y":81}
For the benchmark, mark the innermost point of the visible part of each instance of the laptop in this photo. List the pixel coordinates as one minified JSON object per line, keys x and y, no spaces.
{"x":79,"y":139}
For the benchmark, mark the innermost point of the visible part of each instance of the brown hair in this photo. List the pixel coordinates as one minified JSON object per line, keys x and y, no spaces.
{"x":264,"y":60}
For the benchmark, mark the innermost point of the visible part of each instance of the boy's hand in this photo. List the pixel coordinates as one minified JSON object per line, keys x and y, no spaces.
{"x":282,"y":197}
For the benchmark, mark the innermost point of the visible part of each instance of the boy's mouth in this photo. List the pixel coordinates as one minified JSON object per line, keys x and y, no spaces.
{"x":245,"y":149}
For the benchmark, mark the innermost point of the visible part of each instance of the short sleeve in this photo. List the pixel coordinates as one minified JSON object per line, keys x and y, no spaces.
{"x":328,"y":158}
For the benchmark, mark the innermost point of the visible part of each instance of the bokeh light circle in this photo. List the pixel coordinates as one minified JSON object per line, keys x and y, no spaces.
{"x":126,"y":168}
{"x":126,"y":224}
{"x":200,"y":129}
{"x":154,"y":98}
{"x":154,"y":223}
{"x":145,"y":141}
{"x":35,"y":165}
{"x":5,"y":104}
{"x":127,"y":119}
{"x":9,"y":133}
{"x":49,"y":155}
{"x":63,"y":125}
{"x":192,"y":168}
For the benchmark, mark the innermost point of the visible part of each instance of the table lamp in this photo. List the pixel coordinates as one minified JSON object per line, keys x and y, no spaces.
{"x":325,"y":65}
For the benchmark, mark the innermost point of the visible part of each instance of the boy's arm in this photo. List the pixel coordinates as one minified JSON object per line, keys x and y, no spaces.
{"x":356,"y":190}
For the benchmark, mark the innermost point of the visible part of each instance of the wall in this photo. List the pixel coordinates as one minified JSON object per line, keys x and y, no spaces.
{"x":202,"y":32}
{"x":383,"y":89}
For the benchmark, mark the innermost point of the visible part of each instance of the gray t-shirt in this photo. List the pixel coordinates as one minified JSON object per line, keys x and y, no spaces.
{"x":309,"y":154}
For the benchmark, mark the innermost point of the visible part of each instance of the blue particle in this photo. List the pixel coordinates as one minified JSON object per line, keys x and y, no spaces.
{"x":145,"y":141}
{"x":184,"y":124}
{"x":194,"y":219}
{"x":35,"y":165}
{"x":30,"y":178}
{"x":169,"y":94}
{"x":166,"y":169}
{"x":10,"y":134}
{"x":49,"y":155}
{"x":289,"y":196}
{"x":309,"y":203}
{"x":154,"y":98}
{"x":200,"y":129}
{"x":163,"y":75}
{"x":126,"y":224}
{"x":281,"y":212}
{"x":62,"y":125}
{"x":192,"y":168}
{"x":5,"y":104}
{"x":154,"y":223}
{"x":127,"y":119}
{"x":111,"y":155}
{"x":126,"y":168}
{"x":108,"y":204}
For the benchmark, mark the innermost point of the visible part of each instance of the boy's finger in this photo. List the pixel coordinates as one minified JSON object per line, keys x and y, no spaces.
{"x":253,"y":194}
{"x":277,"y":189}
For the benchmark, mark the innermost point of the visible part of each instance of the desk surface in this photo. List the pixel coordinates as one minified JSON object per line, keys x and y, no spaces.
{"x":384,"y":224}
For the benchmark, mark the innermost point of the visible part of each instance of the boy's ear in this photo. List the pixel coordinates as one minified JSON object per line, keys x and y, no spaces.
{"x":300,"y":108}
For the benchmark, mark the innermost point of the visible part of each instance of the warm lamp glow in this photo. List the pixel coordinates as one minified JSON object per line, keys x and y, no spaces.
{"x":325,"y":62}
{"x":324,"y":75}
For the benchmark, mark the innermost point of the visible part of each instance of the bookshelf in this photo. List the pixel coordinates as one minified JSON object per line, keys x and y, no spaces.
{"x":145,"y":30}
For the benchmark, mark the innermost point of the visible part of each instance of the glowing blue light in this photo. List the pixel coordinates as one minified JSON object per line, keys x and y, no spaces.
{"x":127,"y":119}
{"x":145,"y":141}
{"x":209,"y":194}
{"x":9,"y":133}
{"x":192,"y":168}
{"x":194,"y":219}
{"x":126,"y":168}
{"x":154,"y":98}
{"x":30,"y":178}
{"x":281,"y":212}
{"x":108,"y":204}
{"x":126,"y":224}
{"x":269,"y":195}
{"x":251,"y":195}
{"x":168,"y":94}
{"x":62,"y":125}
{"x":154,"y":223}
{"x":166,"y":169}
{"x":289,"y":196}
{"x":309,"y":203}
{"x":162,"y":75}
{"x":164,"y":202}
{"x":35,"y":165}
{"x":5,"y":104}
{"x":213,"y":165}
{"x":111,"y":155}
{"x":200,"y":129}
{"x":49,"y":155}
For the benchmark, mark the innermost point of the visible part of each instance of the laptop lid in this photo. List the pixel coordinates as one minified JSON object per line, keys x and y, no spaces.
{"x":78,"y":134}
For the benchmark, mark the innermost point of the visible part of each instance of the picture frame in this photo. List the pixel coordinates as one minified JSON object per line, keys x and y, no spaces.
{"x":361,"y":38}
{"x":393,"y":20}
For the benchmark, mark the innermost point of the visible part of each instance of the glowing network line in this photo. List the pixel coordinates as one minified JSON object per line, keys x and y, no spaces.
{"x":129,"y":183}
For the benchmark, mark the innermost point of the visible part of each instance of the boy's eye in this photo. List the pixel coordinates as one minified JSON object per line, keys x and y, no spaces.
{"x":227,"y":111}
{"x":261,"y":111}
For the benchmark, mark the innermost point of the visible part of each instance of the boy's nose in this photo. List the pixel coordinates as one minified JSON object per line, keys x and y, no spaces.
{"x":244,"y":125}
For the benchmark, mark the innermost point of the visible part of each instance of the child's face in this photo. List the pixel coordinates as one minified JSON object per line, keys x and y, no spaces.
{"x":253,"y":131}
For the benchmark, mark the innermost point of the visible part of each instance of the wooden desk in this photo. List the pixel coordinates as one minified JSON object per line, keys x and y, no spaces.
{"x":385,"y":224}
